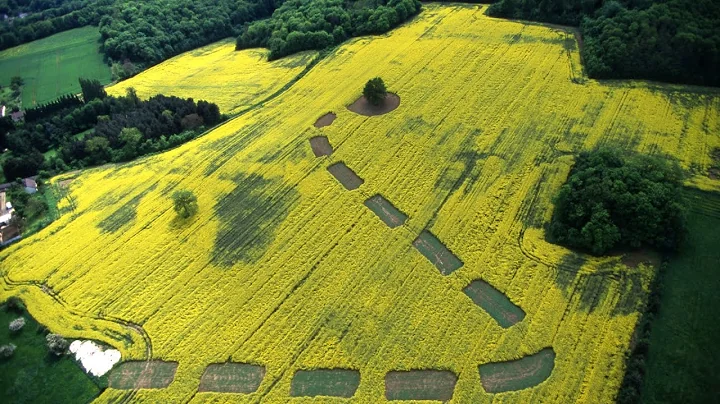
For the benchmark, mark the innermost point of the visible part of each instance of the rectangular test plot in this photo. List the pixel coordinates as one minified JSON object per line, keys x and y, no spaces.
{"x":232,"y":378}
{"x":142,"y":375}
{"x":519,"y":374}
{"x":346,"y":176}
{"x":385,"y":210}
{"x":437,"y":253}
{"x":495,"y":303}
{"x":420,"y":385}
{"x":321,"y":146}
{"x":325,"y":382}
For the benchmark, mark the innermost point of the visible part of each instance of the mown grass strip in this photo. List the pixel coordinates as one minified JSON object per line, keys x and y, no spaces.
{"x":420,"y":385}
{"x":325,"y":382}
{"x":385,"y":210}
{"x":437,"y":253}
{"x":321,"y":146}
{"x":346,"y":176}
{"x":142,"y":375}
{"x":495,"y":303}
{"x":232,"y":378}
{"x":518,"y":374}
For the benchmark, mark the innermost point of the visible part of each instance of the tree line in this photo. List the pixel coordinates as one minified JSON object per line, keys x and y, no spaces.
{"x":137,"y":34}
{"x":299,"y":25}
{"x":114,"y":129}
{"x":666,"y":40}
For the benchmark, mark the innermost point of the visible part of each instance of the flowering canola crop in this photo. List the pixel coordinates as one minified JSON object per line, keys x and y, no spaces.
{"x":284,"y":267}
{"x":217,"y":73}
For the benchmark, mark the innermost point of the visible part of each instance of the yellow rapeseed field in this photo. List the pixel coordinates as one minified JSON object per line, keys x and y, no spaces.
{"x":233,"y":80}
{"x":285,"y":268}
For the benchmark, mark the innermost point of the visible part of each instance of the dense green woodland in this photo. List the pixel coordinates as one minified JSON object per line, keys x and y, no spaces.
{"x":315,"y":24}
{"x":617,"y":201}
{"x":666,"y":40}
{"x":115,"y":129}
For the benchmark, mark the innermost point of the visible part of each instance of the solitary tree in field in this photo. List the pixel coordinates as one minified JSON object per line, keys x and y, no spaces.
{"x":375,"y":91}
{"x":185,"y":203}
{"x":56,"y":344}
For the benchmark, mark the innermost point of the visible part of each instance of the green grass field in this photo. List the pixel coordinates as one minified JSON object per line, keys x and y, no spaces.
{"x":684,"y":363}
{"x":32,"y":375}
{"x":51,"y":66}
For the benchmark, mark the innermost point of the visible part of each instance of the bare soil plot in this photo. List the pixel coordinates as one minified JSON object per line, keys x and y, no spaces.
{"x":346,"y":176}
{"x":437,"y":253}
{"x":232,"y":378}
{"x":385,"y":210}
{"x":142,"y":375}
{"x":635,"y":258}
{"x":363,"y":107}
{"x":495,"y":303}
{"x":420,"y":385}
{"x":325,"y":382}
{"x":714,"y":173}
{"x":321,"y":146}
{"x":325,"y":120}
{"x":518,"y":374}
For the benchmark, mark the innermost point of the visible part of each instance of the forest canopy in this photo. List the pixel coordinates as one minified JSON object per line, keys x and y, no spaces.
{"x":667,"y":40}
{"x":299,"y":25}
{"x":144,"y":33}
{"x":70,"y":133}
{"x":619,"y":201}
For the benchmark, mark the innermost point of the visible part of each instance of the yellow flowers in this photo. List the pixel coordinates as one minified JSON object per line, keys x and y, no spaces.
{"x":217,"y":73}
{"x":310,"y":278}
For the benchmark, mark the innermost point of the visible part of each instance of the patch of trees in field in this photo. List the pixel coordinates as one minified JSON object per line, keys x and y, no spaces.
{"x":666,"y":40}
{"x":615,"y":201}
{"x":117,"y":129}
{"x":299,"y":25}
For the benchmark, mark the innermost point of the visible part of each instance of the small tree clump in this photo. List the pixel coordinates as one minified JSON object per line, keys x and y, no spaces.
{"x":619,"y":201}
{"x":17,"y":324}
{"x":7,"y":351}
{"x":375,"y":91}
{"x":14,"y":303}
{"x":56,"y":344}
{"x":185,"y":203}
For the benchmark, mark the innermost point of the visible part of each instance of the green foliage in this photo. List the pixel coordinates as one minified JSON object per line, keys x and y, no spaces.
{"x":185,"y":203}
{"x":112,"y":129}
{"x":56,"y":344}
{"x":92,"y":89}
{"x":32,"y":375}
{"x":299,"y":25}
{"x":375,"y":91}
{"x":613,"y":201}
{"x":667,"y":40}
{"x":16,"y":81}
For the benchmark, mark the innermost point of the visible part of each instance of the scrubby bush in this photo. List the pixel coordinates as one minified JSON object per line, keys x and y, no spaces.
{"x":7,"y":351}
{"x":375,"y":91}
{"x":17,"y":324}
{"x":15,"y":304}
{"x":613,"y":201}
{"x":185,"y":203}
{"x":56,"y":344}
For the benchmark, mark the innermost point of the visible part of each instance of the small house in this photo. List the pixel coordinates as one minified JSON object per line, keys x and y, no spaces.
{"x":30,"y":185}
